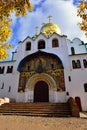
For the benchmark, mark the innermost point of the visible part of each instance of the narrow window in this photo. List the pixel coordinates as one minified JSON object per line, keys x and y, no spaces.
{"x":85,"y":63}
{"x":67,"y":93}
{"x":41,"y":44}
{"x":74,"y":64}
{"x":9,"y":90}
{"x":2,"y":86}
{"x":78,"y":64}
{"x":2,"y":69}
{"x":52,"y":66}
{"x":55,"y":43}
{"x":85,"y":87}
{"x":72,"y":51}
{"x":28,"y":46}
{"x":9,"y":69}
{"x":28,"y":68}
{"x":69,"y":78}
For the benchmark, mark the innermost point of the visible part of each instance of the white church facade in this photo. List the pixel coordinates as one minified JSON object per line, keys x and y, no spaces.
{"x":46,"y":68}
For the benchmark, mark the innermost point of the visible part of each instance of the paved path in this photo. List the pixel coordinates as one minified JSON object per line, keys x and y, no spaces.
{"x":83,"y":114}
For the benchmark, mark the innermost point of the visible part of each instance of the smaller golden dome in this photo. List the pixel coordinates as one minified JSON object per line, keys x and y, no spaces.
{"x":50,"y":28}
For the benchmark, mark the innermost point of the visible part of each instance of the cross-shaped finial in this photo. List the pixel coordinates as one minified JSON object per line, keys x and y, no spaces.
{"x":49,"y":17}
{"x":43,"y":24}
{"x":36,"y":29}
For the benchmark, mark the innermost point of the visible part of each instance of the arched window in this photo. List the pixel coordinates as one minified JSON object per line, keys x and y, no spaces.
{"x":41,"y":44}
{"x":85,"y":87}
{"x":2,"y":69}
{"x":74,"y":64}
{"x":28,"y":46}
{"x":78,"y":64}
{"x":9,"y":69}
{"x":55,"y":43}
{"x":72,"y":51}
{"x":85,"y":63}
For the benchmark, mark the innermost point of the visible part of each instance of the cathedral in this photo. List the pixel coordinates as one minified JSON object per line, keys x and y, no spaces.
{"x":47,"y":67}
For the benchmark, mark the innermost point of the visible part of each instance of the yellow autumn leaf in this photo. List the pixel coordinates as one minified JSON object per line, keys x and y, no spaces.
{"x":6,"y":7}
{"x":82,"y":12}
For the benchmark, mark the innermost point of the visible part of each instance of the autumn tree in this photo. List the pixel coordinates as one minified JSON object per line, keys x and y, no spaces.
{"x":20,"y":7}
{"x":82,"y":12}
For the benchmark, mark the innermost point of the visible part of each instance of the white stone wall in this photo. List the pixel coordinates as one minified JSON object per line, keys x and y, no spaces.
{"x":78,"y":46}
{"x":78,"y":78}
{"x":9,"y":80}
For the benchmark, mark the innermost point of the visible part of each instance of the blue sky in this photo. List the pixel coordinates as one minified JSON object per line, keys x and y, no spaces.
{"x":63,"y":12}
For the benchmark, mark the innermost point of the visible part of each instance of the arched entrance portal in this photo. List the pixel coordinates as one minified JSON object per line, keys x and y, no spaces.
{"x":41,"y":92}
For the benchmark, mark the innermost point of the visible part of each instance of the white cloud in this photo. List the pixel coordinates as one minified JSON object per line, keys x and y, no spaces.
{"x":64,"y":14}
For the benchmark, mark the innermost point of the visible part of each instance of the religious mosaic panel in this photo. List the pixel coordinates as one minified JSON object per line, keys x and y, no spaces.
{"x":41,"y":63}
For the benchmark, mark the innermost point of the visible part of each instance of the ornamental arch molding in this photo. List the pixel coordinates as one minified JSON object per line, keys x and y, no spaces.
{"x":41,"y":77}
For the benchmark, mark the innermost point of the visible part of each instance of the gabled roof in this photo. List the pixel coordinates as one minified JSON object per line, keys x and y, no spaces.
{"x":25,"y":39}
{"x":40,"y":34}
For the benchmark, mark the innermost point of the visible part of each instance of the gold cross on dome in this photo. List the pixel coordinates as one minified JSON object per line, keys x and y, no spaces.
{"x":49,"y":17}
{"x":43,"y":24}
{"x":36,"y":29}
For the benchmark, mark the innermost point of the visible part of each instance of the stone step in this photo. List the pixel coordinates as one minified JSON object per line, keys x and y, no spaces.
{"x":19,"y":110}
{"x":41,"y":115}
{"x":35,"y":104}
{"x":33,"y":107}
{"x":44,"y":109}
{"x":35,"y":112}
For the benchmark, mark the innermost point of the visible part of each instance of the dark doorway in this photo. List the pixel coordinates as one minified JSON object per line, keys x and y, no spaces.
{"x":41,"y":92}
{"x":78,"y":101}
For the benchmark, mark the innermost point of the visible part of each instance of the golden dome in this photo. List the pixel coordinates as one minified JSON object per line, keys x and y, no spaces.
{"x":50,"y":28}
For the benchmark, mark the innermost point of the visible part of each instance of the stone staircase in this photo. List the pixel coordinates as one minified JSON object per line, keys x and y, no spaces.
{"x":36,"y":109}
